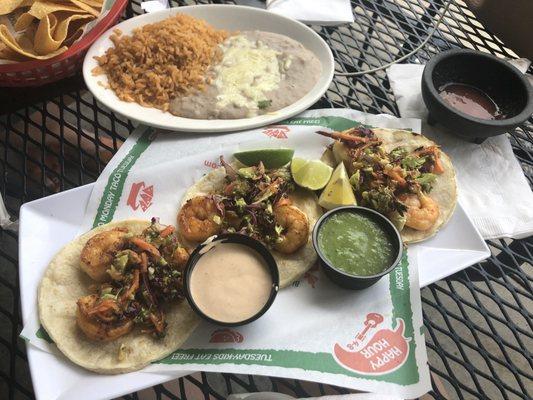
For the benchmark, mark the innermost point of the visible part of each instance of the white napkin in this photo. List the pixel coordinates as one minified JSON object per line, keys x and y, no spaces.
{"x":154,"y":5}
{"x":5,"y":218}
{"x":314,"y":12}
{"x":492,"y":187}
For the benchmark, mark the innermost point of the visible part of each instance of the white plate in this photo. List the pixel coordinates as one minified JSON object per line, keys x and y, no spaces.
{"x":46,"y":225}
{"x":224,"y":17}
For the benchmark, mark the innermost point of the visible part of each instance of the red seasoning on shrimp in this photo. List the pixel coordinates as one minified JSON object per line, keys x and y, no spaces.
{"x":253,"y":201}
{"x":400,"y":174}
{"x":262,"y":203}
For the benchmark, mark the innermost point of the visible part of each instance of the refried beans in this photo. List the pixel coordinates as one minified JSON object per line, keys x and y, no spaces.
{"x":260,"y":72}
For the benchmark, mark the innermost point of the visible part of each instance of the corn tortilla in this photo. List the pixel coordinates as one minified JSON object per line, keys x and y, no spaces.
{"x":61,"y":286}
{"x":444,"y":190}
{"x":291,"y":266}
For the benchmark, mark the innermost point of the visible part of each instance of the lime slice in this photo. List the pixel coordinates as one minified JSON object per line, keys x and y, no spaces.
{"x":271,"y":158}
{"x":338,"y":192}
{"x":297,"y":163}
{"x":313,"y":174}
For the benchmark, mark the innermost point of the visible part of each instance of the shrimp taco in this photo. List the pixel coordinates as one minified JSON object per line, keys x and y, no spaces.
{"x":112,"y":299}
{"x":264,"y":204}
{"x":401,"y":174}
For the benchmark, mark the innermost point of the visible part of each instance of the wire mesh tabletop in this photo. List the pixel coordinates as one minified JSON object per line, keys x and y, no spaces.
{"x":478,"y":322}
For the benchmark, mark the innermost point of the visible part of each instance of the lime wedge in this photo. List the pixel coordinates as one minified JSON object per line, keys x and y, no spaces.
{"x":271,"y":158}
{"x":338,"y":192}
{"x":313,"y":174}
{"x":297,"y":163}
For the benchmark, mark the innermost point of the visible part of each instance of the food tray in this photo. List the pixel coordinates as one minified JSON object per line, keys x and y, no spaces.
{"x":48,"y":224}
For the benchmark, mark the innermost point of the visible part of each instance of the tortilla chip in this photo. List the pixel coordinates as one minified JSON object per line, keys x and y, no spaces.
{"x":8,"y":54}
{"x":62,"y":29}
{"x":96,"y":4}
{"x":76,"y":29}
{"x":64,"y":283}
{"x":291,"y":266}
{"x":8,"y":6}
{"x":23,"y":21}
{"x":40,"y":9}
{"x":21,"y":48}
{"x":71,"y":38}
{"x":7,"y":38}
{"x":44,"y":43}
{"x":25,"y":41}
{"x":85,"y":7}
{"x":53,"y":22}
{"x":59,"y":23}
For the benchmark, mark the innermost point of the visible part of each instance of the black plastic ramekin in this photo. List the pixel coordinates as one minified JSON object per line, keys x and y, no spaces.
{"x":350,"y":281}
{"x":243,"y":240}
{"x":504,"y":83}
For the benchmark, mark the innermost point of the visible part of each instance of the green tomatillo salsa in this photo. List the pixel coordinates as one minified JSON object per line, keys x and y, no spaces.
{"x":356,"y":244}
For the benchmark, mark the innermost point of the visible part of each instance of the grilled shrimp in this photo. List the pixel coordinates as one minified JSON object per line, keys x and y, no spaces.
{"x":396,"y":174}
{"x":422,"y":211}
{"x":99,"y":252}
{"x":295,"y":228}
{"x":199,"y":219}
{"x":95,"y":328}
{"x":437,"y":167}
{"x":180,"y":256}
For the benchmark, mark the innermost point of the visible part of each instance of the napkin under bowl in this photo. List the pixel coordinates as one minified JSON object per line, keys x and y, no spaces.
{"x":501,"y":81}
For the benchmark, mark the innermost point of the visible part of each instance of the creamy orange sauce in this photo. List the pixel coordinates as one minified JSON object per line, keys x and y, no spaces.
{"x":230,"y":282}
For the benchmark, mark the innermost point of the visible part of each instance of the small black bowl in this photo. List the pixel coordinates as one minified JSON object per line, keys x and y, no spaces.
{"x":246,"y":241}
{"x":350,"y":281}
{"x":501,"y":81}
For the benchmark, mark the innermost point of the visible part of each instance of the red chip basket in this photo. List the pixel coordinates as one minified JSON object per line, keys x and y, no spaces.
{"x":39,"y":72}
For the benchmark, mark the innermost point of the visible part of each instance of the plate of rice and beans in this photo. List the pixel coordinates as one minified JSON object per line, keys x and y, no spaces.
{"x":210,"y":68}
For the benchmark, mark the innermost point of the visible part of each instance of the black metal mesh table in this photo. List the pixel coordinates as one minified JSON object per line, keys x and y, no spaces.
{"x":478,"y":321}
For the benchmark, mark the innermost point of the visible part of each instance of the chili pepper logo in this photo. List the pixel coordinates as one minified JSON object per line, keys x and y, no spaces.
{"x":226,"y":336}
{"x":140,"y":196}
{"x":277,"y":131}
{"x":384,"y":352}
